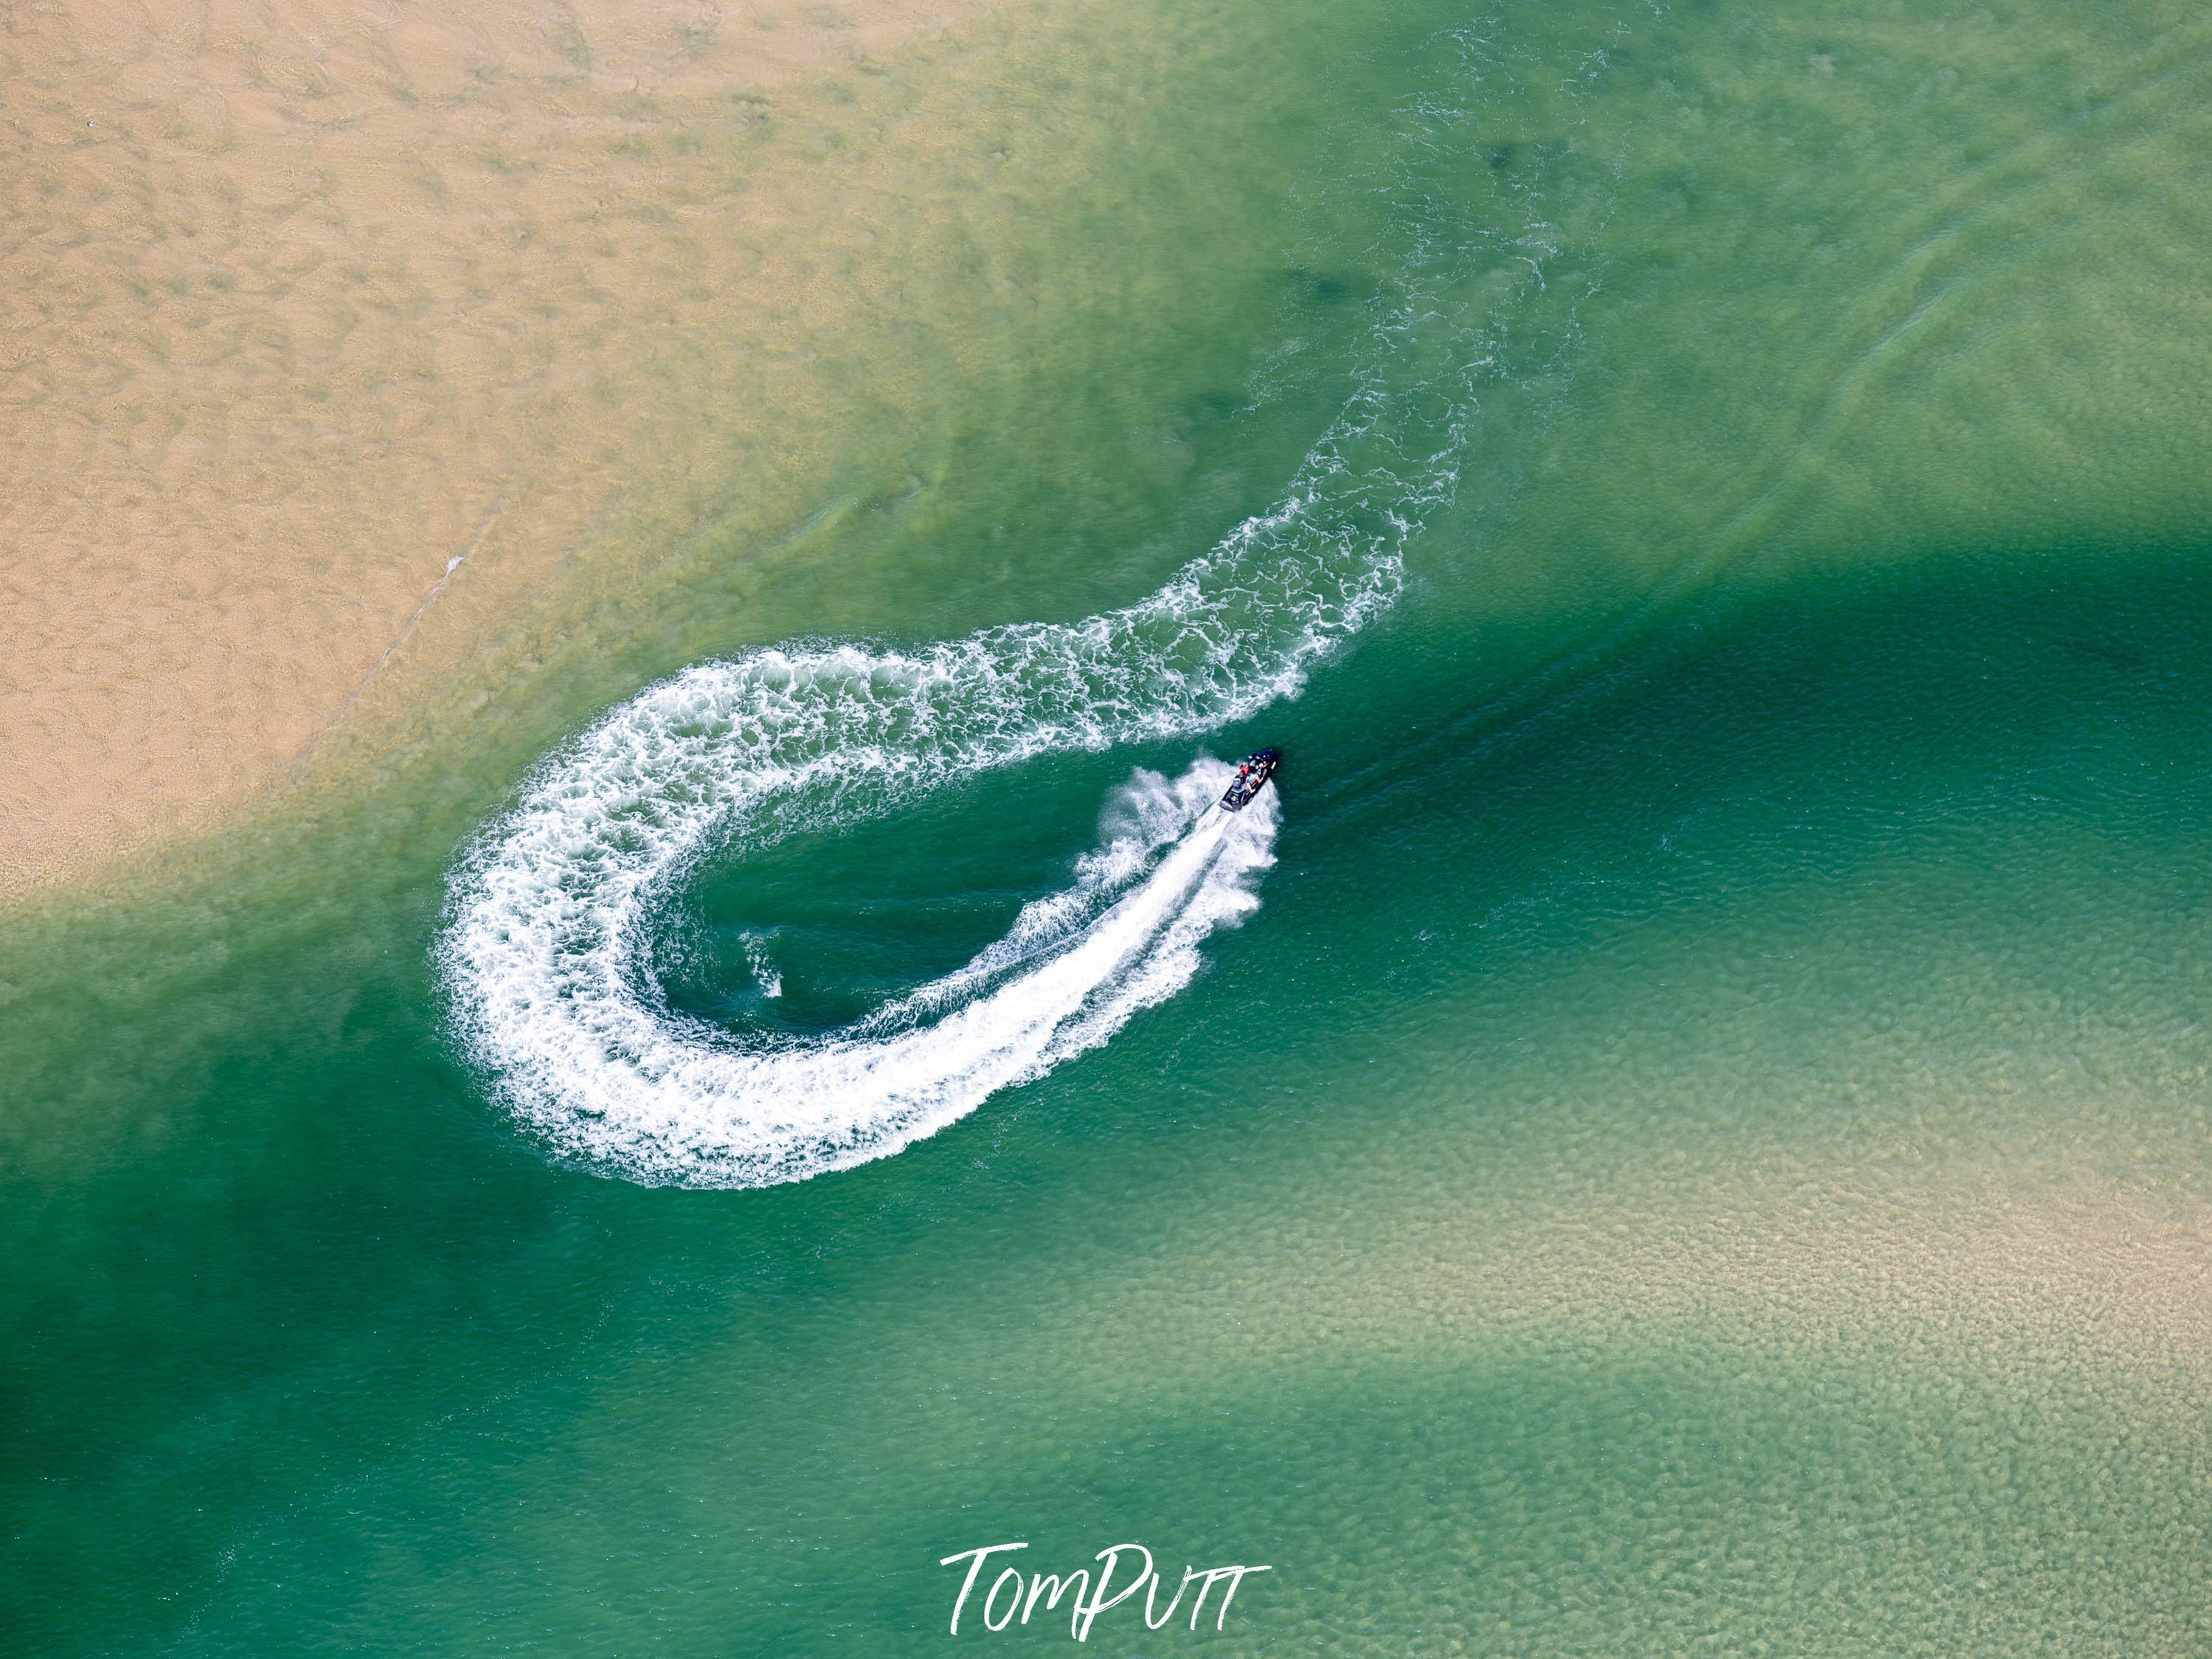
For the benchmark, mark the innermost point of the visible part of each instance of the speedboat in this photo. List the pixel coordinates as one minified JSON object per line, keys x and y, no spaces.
{"x":1251,"y":778}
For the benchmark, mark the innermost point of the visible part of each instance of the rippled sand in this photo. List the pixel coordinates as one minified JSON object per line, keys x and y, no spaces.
{"x":309,"y":301}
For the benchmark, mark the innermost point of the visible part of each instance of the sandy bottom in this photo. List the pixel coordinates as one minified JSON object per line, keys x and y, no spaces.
{"x":310,"y":301}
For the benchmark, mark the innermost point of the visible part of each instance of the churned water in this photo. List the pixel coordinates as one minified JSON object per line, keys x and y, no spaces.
{"x":1698,"y":1141}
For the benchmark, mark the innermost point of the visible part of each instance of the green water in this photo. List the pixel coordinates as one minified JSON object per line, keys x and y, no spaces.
{"x":1703,"y":1145}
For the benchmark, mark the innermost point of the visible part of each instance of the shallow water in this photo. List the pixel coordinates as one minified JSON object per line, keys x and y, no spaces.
{"x":1701,"y":1143}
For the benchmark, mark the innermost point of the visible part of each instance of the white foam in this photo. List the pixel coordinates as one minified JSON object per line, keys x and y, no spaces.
{"x":544,"y":941}
{"x":765,"y":974}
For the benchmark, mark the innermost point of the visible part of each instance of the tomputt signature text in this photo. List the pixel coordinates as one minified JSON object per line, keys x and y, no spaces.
{"x":1012,"y":1594}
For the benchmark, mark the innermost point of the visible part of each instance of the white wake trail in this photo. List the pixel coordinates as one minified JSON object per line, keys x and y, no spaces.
{"x":545,"y":940}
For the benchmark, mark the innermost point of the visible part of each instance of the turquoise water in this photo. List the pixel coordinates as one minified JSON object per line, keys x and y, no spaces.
{"x":1700,"y":1144}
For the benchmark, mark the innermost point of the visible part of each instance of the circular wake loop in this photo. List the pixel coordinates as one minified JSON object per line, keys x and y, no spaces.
{"x":544,"y":935}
